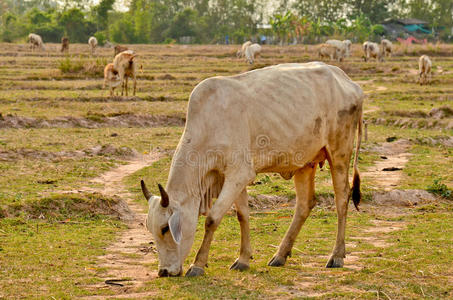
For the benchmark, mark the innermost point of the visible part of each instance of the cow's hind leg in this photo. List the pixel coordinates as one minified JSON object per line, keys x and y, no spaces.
{"x":339,"y":165}
{"x":242,"y":207}
{"x":304,"y":180}
{"x":231,"y":190}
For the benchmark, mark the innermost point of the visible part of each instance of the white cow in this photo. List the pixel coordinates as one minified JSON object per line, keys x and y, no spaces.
{"x":126,"y":66}
{"x":35,"y":41}
{"x":251,"y":52}
{"x":330,"y":51}
{"x":387,"y":47}
{"x":241,"y":52}
{"x":343,"y":46}
{"x":286,"y":118}
{"x":372,"y":50}
{"x":424,"y":68}
{"x":93,"y":43}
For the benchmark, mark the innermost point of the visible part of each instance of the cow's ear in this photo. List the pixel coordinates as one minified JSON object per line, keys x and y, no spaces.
{"x":175,"y":227}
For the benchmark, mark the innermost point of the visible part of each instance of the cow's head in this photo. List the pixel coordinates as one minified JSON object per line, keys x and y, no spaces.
{"x":164,"y":222}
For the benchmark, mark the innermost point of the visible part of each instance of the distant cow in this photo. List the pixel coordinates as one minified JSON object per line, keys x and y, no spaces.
{"x":330,"y":51}
{"x":64,"y":44}
{"x":126,"y":66}
{"x":372,"y":50}
{"x":118,"y":49}
{"x":424,"y":68}
{"x":241,"y":52}
{"x":251,"y":52}
{"x":387,"y":47}
{"x":93,"y":43}
{"x":111,"y":78}
{"x":35,"y":41}
{"x":343,"y":46}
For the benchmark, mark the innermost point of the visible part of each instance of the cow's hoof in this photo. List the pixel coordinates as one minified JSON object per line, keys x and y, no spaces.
{"x":194,"y":271}
{"x":277,"y":261}
{"x":239,"y":266}
{"x":335,"y":262}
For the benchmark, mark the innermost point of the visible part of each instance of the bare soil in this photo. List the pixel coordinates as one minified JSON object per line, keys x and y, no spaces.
{"x":104,"y":150}
{"x":127,"y":258}
{"x":394,"y":155}
{"x":124,"y":120}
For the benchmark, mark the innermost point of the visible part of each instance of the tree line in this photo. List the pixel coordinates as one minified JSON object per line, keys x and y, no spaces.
{"x":214,"y":21}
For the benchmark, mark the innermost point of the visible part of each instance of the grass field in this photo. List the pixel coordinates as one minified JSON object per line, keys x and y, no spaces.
{"x":59,"y":133}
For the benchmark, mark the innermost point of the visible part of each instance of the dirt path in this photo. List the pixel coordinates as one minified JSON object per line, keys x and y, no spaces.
{"x":387,"y":172}
{"x":129,"y":256}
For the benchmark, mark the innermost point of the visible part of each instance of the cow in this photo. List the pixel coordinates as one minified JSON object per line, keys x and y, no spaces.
{"x":424,"y":68}
{"x":64,"y":44}
{"x":329,"y":51}
{"x":241,"y":52}
{"x":372,"y":50}
{"x":387,"y":47}
{"x":279,"y":119}
{"x":118,"y":49}
{"x":111,"y":78}
{"x":343,"y":46}
{"x":93,"y":43}
{"x":126,"y":66}
{"x":251,"y":52}
{"x":35,"y":42}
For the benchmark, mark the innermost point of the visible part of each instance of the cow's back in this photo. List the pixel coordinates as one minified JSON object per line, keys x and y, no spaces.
{"x":280,"y":108}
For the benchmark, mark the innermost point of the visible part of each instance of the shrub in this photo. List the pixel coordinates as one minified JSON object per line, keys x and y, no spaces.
{"x":440,"y":189}
{"x":93,"y":68}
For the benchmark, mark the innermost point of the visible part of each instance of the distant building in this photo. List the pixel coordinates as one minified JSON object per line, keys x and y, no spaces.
{"x":403,"y":27}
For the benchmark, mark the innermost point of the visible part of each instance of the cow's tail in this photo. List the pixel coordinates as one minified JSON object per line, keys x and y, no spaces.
{"x":355,"y":191}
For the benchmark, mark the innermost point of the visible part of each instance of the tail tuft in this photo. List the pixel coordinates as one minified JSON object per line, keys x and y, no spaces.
{"x":356,"y":195}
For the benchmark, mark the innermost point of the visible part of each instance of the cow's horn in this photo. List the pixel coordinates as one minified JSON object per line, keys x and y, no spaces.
{"x":145,"y":191}
{"x":164,"y":197}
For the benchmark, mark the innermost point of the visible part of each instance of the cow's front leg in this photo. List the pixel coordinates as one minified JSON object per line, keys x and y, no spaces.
{"x":230,"y":192}
{"x":304,"y":180}
{"x":242,"y":207}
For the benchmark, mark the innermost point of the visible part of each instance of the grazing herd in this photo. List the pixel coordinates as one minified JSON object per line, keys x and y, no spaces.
{"x":125,"y":67}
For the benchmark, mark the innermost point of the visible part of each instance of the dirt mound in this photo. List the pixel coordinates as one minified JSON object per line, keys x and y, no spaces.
{"x":70,"y":205}
{"x":446,"y":141}
{"x":167,"y":77}
{"x":104,"y":150}
{"x":441,"y":112}
{"x":261,"y":202}
{"x":407,"y":114}
{"x":91,"y":121}
{"x":413,"y":123}
{"x":402,"y":198}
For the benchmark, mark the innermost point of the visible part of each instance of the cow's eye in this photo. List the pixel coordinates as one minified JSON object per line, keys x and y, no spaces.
{"x":165,"y":229}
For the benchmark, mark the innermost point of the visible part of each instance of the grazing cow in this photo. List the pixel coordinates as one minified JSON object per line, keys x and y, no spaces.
{"x":372,"y":50}
{"x":93,"y":43}
{"x":118,"y":49}
{"x":387,"y":47}
{"x":251,"y":52}
{"x":126,"y":66}
{"x":424,"y":68}
{"x":241,"y":52}
{"x":35,"y":42}
{"x":64,"y":44}
{"x":343,"y":46}
{"x":111,"y":78}
{"x":107,"y":44}
{"x":330,"y":51}
{"x":288,"y":119}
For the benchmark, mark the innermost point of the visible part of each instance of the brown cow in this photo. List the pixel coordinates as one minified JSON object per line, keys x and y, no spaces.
{"x":64,"y":44}
{"x":118,"y":49}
